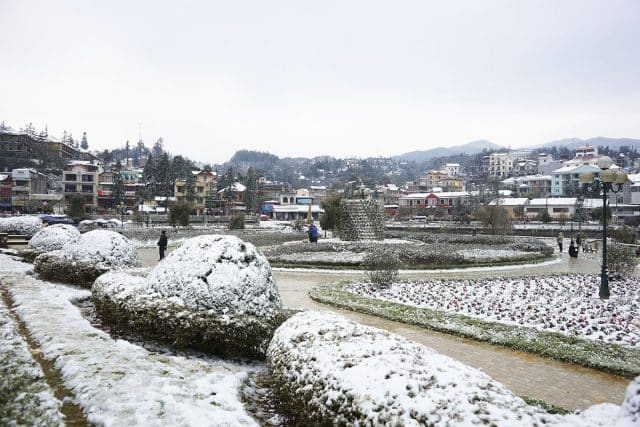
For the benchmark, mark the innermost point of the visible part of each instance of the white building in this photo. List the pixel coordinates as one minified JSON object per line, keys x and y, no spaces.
{"x":451,"y":169}
{"x":500,"y":165}
{"x":557,"y":207}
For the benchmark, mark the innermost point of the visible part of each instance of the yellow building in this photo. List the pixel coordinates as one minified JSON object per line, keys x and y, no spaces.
{"x":204,"y":188}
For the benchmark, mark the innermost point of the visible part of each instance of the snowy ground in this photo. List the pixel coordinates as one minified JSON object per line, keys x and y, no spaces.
{"x":565,"y":304}
{"x":117,"y":382}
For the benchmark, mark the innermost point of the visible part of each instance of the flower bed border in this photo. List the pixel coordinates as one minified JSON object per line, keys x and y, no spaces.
{"x":353,"y":266}
{"x":605,"y":357}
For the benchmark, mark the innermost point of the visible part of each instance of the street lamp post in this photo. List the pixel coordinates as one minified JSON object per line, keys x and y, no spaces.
{"x":609,"y":181}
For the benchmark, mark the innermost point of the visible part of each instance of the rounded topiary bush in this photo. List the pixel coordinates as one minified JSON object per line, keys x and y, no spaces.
{"x":95,"y":253}
{"x":26,"y":225}
{"x":214,"y":292}
{"x":49,"y":239}
{"x":327,"y":370}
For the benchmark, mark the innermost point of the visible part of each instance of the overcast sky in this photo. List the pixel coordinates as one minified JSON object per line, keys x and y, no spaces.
{"x":302,"y":78}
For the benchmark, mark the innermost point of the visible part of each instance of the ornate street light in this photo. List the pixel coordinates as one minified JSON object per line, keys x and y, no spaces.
{"x":609,"y":181}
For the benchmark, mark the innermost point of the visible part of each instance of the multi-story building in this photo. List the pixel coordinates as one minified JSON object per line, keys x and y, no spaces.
{"x":500,"y":165}
{"x":451,"y":169}
{"x":81,"y":177}
{"x":204,"y":190}
{"x":452,"y":184}
{"x":6,"y":184}
{"x":524,"y":166}
{"x":530,"y":185}
{"x":130,"y":188}
{"x":26,"y":183}
{"x":566,"y":180}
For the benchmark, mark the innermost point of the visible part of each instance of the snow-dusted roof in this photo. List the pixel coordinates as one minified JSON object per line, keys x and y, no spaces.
{"x":296,"y":208}
{"x":536,"y":177}
{"x":592,"y":203}
{"x":236,"y":187}
{"x":553,"y":201}
{"x":513,"y":201}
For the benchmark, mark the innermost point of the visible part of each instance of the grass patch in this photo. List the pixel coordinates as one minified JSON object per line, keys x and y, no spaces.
{"x":601,"y":356}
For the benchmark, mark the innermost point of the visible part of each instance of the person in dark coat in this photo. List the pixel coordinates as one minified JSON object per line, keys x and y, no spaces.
{"x":313,"y":234}
{"x":162,"y":243}
{"x":573,"y":250}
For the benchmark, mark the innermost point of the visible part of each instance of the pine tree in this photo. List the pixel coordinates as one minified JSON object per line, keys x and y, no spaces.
{"x":118,"y":184}
{"x":158,"y":148}
{"x":251,"y":192}
{"x":84,"y":144}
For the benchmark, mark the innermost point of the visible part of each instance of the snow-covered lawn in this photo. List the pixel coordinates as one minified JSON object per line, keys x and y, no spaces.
{"x":565,"y":304}
{"x":25,"y":396}
{"x":119,"y":383}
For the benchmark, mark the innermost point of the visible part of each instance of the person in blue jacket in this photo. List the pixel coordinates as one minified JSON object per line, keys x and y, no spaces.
{"x":313,"y":233}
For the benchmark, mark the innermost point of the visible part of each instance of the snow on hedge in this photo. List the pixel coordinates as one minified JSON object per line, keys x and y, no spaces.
{"x":27,"y":225}
{"x":94,"y":253}
{"x":118,"y":383}
{"x":565,"y":304}
{"x":54,"y":237}
{"x":214,"y":291}
{"x":25,"y":396}
{"x":328,"y":370}
{"x":630,"y":409}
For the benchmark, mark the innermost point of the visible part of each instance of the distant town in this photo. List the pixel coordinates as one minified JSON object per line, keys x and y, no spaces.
{"x":40,"y":173}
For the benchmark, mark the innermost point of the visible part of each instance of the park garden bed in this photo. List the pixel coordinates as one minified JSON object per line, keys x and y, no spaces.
{"x":351,"y":372}
{"x":554,"y":316}
{"x":444,"y":252}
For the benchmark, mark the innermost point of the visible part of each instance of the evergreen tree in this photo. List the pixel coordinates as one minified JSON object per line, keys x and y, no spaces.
{"x":149,"y":177}
{"x":163,"y":176}
{"x":118,"y":185}
{"x":158,"y":148}
{"x":251,"y":193}
{"x":191,"y":188}
{"x":179,"y":213}
{"x":84,"y":144}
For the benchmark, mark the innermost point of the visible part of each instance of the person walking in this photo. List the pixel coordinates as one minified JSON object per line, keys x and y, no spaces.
{"x":162,"y":243}
{"x":560,"y":240}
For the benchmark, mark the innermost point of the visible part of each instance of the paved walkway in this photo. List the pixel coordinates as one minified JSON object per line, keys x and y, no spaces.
{"x":559,"y":383}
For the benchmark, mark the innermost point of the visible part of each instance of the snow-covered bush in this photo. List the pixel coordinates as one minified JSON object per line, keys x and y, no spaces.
{"x":214,"y":292}
{"x":26,"y":225}
{"x":621,"y":260}
{"x":630,"y":408}
{"x":95,"y":253}
{"x":328,"y":370}
{"x":382,"y":267}
{"x":50,"y":239}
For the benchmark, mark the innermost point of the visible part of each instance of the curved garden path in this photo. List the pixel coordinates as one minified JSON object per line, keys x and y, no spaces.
{"x":563,"y":384}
